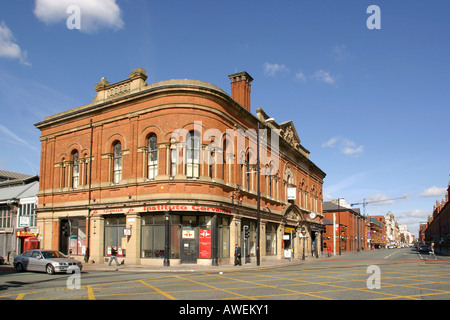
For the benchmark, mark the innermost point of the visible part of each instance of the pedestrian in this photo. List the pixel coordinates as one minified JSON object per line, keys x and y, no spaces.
{"x":237,"y":256}
{"x":113,"y":256}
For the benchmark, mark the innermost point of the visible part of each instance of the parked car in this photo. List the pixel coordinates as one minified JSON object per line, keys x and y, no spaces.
{"x":49,"y":261}
{"x":424,"y":248}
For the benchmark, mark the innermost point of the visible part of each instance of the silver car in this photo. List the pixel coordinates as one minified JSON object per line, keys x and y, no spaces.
{"x":49,"y":261}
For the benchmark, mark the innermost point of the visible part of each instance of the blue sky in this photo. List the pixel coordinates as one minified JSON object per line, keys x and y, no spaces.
{"x":371,"y":105}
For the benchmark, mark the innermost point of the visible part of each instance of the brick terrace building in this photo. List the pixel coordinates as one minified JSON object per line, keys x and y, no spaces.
{"x":350,"y":228}
{"x":438,"y":228}
{"x":167,"y":172}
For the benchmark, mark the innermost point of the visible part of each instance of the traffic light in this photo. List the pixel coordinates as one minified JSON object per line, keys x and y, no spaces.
{"x":294,"y":234}
{"x":65,"y":228}
{"x":246,"y":232}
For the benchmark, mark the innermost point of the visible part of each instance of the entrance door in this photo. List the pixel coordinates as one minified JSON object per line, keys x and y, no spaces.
{"x":188,"y":252}
{"x":189,"y":245}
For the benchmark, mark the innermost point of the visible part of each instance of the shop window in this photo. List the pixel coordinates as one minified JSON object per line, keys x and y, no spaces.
{"x":114,"y":237}
{"x":153,"y":237}
{"x":77,"y":242}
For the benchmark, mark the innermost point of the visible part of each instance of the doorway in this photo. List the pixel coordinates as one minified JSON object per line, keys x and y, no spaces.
{"x":188,"y":245}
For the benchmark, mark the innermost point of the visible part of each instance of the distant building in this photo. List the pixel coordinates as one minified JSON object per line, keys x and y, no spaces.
{"x":349,"y":227}
{"x":392,"y":229}
{"x":438,"y":226}
{"x":405,"y":236}
{"x":377,"y":234}
{"x":18,"y":200}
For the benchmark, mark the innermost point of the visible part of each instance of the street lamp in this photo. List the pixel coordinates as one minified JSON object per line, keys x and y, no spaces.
{"x":304,"y":240}
{"x":258,"y":197}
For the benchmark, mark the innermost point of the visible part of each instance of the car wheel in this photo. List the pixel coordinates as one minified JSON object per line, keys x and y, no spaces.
{"x":19,"y":267}
{"x":49,"y":269}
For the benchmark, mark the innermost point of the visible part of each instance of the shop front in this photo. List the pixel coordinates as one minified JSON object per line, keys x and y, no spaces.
{"x":177,"y":234}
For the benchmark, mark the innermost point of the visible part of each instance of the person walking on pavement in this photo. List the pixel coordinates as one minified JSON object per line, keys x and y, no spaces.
{"x":237,"y":256}
{"x":113,"y":256}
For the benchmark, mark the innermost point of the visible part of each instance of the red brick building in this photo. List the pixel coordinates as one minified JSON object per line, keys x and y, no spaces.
{"x":348,"y":228}
{"x":377,"y":236}
{"x":168,"y":172}
{"x":438,"y":228}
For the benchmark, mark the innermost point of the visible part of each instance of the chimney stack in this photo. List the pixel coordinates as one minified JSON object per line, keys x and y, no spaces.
{"x":240,"y":88}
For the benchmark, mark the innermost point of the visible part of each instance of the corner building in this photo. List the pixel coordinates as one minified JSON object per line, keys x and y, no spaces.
{"x":167,"y":173}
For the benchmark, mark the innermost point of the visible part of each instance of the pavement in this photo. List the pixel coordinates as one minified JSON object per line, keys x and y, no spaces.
{"x":185,"y":268}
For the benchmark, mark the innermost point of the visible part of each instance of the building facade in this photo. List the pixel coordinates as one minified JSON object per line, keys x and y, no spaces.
{"x":348,"y":228}
{"x":377,"y":234}
{"x":437,"y":230}
{"x":18,"y":201}
{"x":168,"y":174}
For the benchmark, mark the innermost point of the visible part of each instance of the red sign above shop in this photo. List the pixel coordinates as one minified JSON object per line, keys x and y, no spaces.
{"x":204,"y":244}
{"x":26,"y":234}
{"x":164,"y":207}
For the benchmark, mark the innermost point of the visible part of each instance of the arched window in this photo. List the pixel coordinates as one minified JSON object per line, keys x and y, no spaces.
{"x":193,"y":155}
{"x":117,"y":162}
{"x":152,"y":157}
{"x":75,"y":170}
{"x":248,"y":171}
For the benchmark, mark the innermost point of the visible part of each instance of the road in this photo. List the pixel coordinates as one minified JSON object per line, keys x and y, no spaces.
{"x":398,"y":274}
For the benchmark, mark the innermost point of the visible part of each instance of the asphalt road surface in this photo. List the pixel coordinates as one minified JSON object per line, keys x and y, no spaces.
{"x":397,"y":274}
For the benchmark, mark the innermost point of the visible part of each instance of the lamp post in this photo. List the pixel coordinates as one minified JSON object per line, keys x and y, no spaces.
{"x":339,"y":223}
{"x":304,"y":240}
{"x":258,"y":196}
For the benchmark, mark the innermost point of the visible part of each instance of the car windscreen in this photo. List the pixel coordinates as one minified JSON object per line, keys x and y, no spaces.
{"x":52,"y":254}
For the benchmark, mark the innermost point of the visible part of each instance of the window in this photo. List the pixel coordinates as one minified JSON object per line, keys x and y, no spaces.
{"x":211,"y":155}
{"x":5,"y":218}
{"x":152,"y":161}
{"x":153,"y":237}
{"x":173,"y":160}
{"x":117,"y":162}
{"x":78,"y":236}
{"x":193,"y":155}
{"x":75,"y":170}
{"x":114,"y":237}
{"x":247,"y":173}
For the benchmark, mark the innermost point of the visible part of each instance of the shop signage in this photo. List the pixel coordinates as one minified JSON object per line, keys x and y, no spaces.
{"x":195,"y":207}
{"x":205,"y":244}
{"x":22,"y":233}
{"x":188,"y":234}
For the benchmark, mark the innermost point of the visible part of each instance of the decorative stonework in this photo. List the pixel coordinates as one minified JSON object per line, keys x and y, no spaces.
{"x":107,"y":91}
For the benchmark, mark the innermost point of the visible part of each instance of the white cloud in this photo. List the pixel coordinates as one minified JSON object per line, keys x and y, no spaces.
{"x":8,"y":46}
{"x":340,"y":52}
{"x":299,"y":76}
{"x":433,"y":192}
{"x":94,"y":14}
{"x":345,"y":146}
{"x":324,"y":76}
{"x":272,"y":69}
